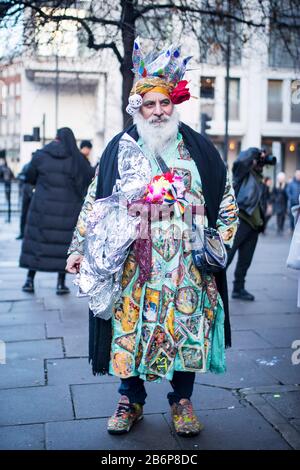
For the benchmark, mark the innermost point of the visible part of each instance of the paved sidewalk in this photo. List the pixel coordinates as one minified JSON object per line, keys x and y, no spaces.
{"x":49,"y":398}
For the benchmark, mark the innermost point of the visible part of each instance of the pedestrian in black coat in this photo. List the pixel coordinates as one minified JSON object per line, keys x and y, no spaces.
{"x":61,"y":176}
{"x":26,"y":191}
{"x":280,"y":201}
{"x":252,"y":198}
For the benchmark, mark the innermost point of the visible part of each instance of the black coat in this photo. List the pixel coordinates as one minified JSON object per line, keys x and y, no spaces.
{"x":213,"y":176}
{"x":54,"y":208}
{"x":280,"y":200}
{"x":249,"y":191}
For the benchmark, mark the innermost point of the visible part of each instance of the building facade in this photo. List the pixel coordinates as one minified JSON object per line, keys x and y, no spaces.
{"x":264,"y":103}
{"x":64,"y":85}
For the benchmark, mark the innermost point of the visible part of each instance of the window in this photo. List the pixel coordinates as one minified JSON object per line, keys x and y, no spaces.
{"x":11,"y":89}
{"x":18,"y":106}
{"x":234,"y":99}
{"x":274,"y":100}
{"x":11,"y":127}
{"x":207,"y":87}
{"x":284,"y":44}
{"x":4,"y":91}
{"x":295,"y":101}
{"x":17,"y":126}
{"x":4,"y":108}
{"x":18,"y":88}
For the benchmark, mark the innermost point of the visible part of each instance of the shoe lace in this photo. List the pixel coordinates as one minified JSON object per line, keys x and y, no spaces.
{"x":187,"y":410}
{"x":122,"y":409}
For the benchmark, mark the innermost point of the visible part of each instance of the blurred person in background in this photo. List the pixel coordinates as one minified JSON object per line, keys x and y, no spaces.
{"x":269,"y":210}
{"x":61,"y":176}
{"x":252,"y":197}
{"x":280,"y":201}
{"x":6,"y":177}
{"x":293,"y":193}
{"x":86,"y":148}
{"x":26,"y":195}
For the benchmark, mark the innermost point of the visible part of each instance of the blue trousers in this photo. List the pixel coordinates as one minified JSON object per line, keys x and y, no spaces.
{"x":182,"y":384}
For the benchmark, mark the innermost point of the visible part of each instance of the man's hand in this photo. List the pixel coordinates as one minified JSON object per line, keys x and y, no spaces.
{"x":73,"y":264}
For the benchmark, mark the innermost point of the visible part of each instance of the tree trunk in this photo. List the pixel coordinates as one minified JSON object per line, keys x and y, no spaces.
{"x":128,"y":36}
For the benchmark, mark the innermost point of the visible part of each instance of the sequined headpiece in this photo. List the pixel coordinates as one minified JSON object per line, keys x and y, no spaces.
{"x":162,"y":72}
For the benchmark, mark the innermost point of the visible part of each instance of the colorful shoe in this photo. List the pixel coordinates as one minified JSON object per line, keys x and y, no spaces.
{"x":124,"y":417}
{"x":185,"y":421}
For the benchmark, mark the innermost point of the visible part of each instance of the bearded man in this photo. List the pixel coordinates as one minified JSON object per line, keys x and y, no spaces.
{"x":174,"y":322}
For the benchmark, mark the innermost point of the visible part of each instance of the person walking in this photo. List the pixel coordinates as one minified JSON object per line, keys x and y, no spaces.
{"x":252,"y":194}
{"x":280,"y":201}
{"x":6,"y":176}
{"x":293,"y":192}
{"x":26,"y":195}
{"x":61,"y":176}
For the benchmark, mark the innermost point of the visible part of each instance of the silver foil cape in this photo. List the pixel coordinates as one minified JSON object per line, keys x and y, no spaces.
{"x":111,"y":230}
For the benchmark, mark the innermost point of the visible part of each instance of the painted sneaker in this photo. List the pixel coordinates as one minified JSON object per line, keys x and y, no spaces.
{"x":185,"y":421}
{"x":125,"y":416}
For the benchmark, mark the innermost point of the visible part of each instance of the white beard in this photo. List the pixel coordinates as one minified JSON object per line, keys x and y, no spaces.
{"x":157,"y":136}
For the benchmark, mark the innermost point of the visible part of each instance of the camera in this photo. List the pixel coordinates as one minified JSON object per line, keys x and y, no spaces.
{"x":265,"y":160}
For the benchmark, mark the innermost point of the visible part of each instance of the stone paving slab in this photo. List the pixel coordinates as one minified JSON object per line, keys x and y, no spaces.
{"x":262,"y":307}
{"x":204,"y":397}
{"x":39,"y":349}
{"x":248,"y":340}
{"x":276,"y":419}
{"x":76,"y":313}
{"x":5,"y":307}
{"x":151,"y":433}
{"x":76,"y":346}
{"x":288,"y":404}
{"x":30,"y":318}
{"x":241,"y":370}
{"x":22,"y":373}
{"x":99,"y":400}
{"x":29,"y":437}
{"x":296,"y":424}
{"x":66,"y":328}
{"x":14,"y":294}
{"x":23,"y":332}
{"x":251,"y":322}
{"x":35,"y":405}
{"x":65,"y":302}
{"x":277,"y":363}
{"x":11,"y":283}
{"x":279,"y":337}
{"x":74,"y":371}
{"x":31,"y":305}
{"x":235,"y":429}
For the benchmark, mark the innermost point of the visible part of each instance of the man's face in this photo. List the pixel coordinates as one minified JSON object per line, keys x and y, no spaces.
{"x":86,"y":151}
{"x":297,"y":175}
{"x":156,"y":108}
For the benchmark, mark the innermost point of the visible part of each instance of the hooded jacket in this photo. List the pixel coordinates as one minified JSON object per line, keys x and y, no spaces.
{"x":54,"y":208}
{"x":249,"y":188}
